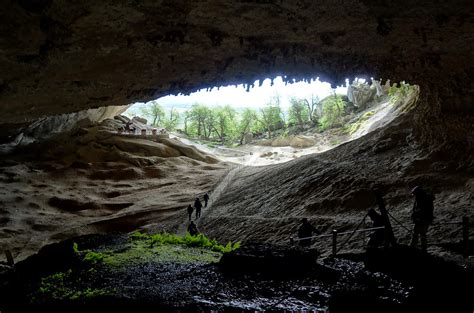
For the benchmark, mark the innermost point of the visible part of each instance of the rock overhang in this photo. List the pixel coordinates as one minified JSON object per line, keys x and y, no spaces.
{"x":59,"y":57}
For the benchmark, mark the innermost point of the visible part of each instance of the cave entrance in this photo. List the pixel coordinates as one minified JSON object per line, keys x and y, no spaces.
{"x":277,"y":120}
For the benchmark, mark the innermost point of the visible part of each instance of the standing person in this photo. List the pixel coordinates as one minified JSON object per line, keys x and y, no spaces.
{"x":377,"y":237}
{"x":198,"y":206}
{"x":192,"y":229}
{"x":206,"y":199}
{"x":389,"y":236}
{"x":306,"y":230}
{"x":422,"y":216}
{"x":190,"y":211}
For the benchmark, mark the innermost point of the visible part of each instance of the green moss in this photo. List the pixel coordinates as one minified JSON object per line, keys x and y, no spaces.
{"x":164,"y":247}
{"x":62,"y":286}
{"x":199,"y":240}
{"x":141,"y":252}
{"x":352,"y":128}
{"x":93,"y":257}
{"x":75,"y":248}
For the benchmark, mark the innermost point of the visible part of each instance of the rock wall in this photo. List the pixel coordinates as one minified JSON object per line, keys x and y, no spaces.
{"x":59,"y":56}
{"x":45,"y":127}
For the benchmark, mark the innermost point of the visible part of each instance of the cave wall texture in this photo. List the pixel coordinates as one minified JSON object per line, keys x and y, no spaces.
{"x":61,"y":56}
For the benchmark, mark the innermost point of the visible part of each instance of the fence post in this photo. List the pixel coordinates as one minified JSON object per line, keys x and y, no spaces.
{"x":334,"y":242}
{"x":9,"y":257}
{"x":465,"y":236}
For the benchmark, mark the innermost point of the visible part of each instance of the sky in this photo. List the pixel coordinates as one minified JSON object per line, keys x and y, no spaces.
{"x":256,"y":97}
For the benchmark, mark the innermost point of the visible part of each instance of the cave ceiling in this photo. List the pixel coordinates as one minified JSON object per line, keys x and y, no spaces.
{"x":59,"y":56}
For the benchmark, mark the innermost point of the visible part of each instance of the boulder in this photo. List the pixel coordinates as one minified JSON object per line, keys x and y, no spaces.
{"x":122,"y":118}
{"x":140,"y":120}
{"x":248,"y":138}
{"x":302,"y":142}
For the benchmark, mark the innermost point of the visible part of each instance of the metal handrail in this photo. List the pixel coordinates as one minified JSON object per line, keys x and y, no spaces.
{"x":366,"y":230}
{"x":340,"y":233}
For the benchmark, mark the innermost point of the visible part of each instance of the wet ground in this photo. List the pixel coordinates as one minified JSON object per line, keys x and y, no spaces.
{"x":337,"y":285}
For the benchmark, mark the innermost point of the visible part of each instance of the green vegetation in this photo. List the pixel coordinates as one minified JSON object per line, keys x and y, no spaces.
{"x":223,"y":125}
{"x":74,"y":284}
{"x":75,"y":248}
{"x":162,"y":247}
{"x":298,"y":113}
{"x":400,"y":93}
{"x":93,"y":257}
{"x":333,"y":111}
{"x":352,"y":128}
{"x":158,"y":117}
{"x":200,"y":241}
{"x":61,"y":286}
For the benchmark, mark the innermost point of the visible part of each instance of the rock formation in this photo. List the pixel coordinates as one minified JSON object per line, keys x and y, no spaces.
{"x":61,"y":57}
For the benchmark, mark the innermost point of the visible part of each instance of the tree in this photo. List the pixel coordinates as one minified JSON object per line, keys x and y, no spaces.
{"x":187,"y":116}
{"x":246,"y":123}
{"x":172,"y":120}
{"x":312,"y":105}
{"x":154,"y":111}
{"x":224,"y":124}
{"x":270,"y":116}
{"x":332,"y":111}
{"x":199,"y":117}
{"x":298,"y":112}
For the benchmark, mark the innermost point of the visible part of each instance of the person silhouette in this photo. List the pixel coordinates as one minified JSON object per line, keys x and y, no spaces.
{"x":190,"y":211}
{"x":306,"y":230}
{"x":192,"y":229}
{"x":422,"y":216}
{"x":198,"y":206}
{"x":206,"y":199}
{"x":377,"y":237}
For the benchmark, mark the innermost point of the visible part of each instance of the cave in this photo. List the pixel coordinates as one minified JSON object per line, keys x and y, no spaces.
{"x":68,"y":68}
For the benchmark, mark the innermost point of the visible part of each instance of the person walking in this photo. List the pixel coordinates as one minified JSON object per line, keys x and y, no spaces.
{"x":190,"y":211}
{"x":422,"y":216}
{"x":198,"y":206}
{"x":206,"y":199}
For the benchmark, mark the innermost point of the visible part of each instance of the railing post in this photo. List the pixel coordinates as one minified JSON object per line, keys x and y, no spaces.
{"x":334,"y":242}
{"x":465,"y":236}
{"x":9,"y":257}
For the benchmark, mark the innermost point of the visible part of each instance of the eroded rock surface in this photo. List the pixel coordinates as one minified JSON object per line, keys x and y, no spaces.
{"x":58,"y":57}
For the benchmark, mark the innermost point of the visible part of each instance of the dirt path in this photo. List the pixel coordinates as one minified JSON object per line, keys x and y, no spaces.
{"x":213,"y":197}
